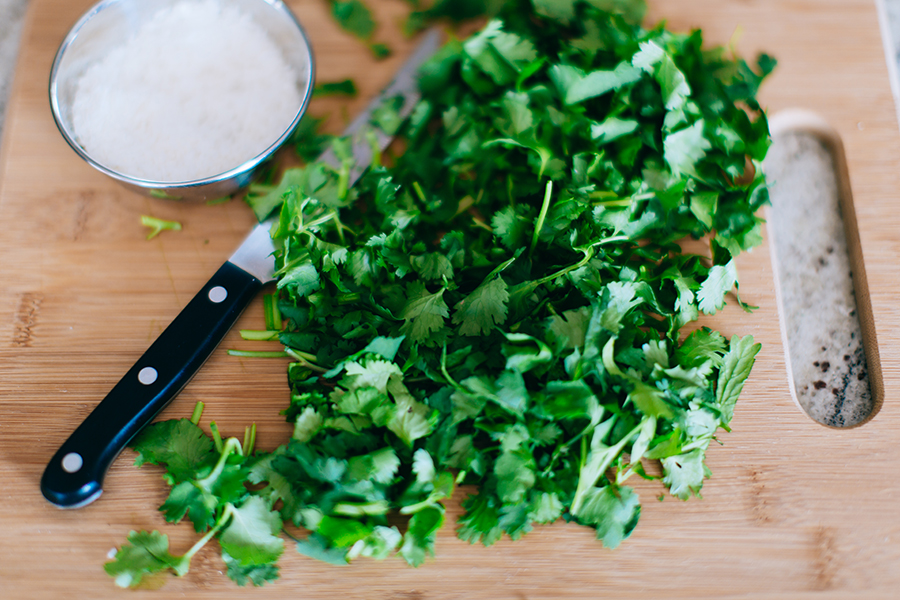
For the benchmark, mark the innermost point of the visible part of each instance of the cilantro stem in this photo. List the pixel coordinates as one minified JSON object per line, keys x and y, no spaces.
{"x":611,"y":240}
{"x":444,"y":370}
{"x":331,"y":215}
{"x":464,"y":205}
{"x":482,"y":224}
{"x":372,"y":139}
{"x":289,"y":265}
{"x":259,"y":336}
{"x":500,"y":268}
{"x":340,"y":227}
{"x":344,"y":179}
{"x":563,"y":448}
{"x":617,"y":202}
{"x":608,"y":198}
{"x":588,"y":254}
{"x":257,"y":354}
{"x":300,"y":354}
{"x":230,"y":445}
{"x":157,"y":225}
{"x":271,"y":312}
{"x":593,"y":469}
{"x":301,"y":357}
{"x":359,"y":509}
{"x":419,"y":192}
{"x":226,"y":515}
{"x":351,"y":298}
{"x":249,"y":439}
{"x":536,"y":283}
{"x":545,"y":206}
{"x":198,"y":412}
{"x":321,"y":220}
{"x":217,"y":437}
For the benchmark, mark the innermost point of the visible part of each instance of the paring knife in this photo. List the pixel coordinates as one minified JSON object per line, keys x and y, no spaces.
{"x":74,"y":476}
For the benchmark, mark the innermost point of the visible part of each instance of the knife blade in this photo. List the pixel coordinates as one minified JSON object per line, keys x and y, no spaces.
{"x":74,"y":476}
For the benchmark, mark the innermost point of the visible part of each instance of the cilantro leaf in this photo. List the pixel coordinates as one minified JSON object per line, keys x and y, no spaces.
{"x":483,"y":309}
{"x":480,"y":521}
{"x":424,"y":313}
{"x":546,"y":508}
{"x":685,"y":148}
{"x":613,"y":511}
{"x":418,"y":542}
{"x":380,"y":466}
{"x":354,"y":17}
{"x":719,"y":282}
{"x":704,"y":206}
{"x":684,"y":473}
{"x":432,"y":266}
{"x":736,"y":367}
{"x":278,"y":486}
{"x":314,"y":546}
{"x":307,"y":424}
{"x":179,"y":444}
{"x":250,"y":538}
{"x":199,"y":499}
{"x":701,"y":346}
{"x":651,"y":401}
{"x":561,"y":10}
{"x":187,"y":497}
{"x":423,"y":466}
{"x":372,"y":373}
{"x":576,"y":86}
{"x":569,"y":328}
{"x":412,"y":420}
{"x":612,"y":128}
{"x":498,"y":53}
{"x":301,"y":279}
{"x":511,"y":227}
{"x":344,"y":87}
{"x":145,"y":553}
{"x":255,"y":574}
{"x":380,"y":544}
{"x":515,"y":472}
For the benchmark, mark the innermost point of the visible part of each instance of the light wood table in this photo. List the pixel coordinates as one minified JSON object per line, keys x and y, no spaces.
{"x":793,"y":510}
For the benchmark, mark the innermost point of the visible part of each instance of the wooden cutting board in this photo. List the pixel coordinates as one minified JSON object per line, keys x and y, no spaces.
{"x":793,"y":510}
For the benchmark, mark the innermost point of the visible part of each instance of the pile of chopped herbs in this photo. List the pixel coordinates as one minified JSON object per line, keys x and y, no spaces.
{"x":502,"y":305}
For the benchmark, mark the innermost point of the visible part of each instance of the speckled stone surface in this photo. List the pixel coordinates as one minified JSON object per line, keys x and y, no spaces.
{"x":815,"y":283}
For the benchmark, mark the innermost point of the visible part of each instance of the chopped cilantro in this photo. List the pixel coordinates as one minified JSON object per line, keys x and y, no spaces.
{"x":355,"y":17}
{"x":502,"y":306}
{"x":345,"y":87}
{"x":157,"y":225}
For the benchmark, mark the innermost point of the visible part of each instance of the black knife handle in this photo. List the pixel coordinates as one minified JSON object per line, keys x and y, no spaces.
{"x":74,"y":477}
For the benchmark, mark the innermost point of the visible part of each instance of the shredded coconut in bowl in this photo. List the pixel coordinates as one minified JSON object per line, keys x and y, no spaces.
{"x":198,"y":90}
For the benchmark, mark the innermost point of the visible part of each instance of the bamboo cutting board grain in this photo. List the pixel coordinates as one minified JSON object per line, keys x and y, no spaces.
{"x":793,"y":510}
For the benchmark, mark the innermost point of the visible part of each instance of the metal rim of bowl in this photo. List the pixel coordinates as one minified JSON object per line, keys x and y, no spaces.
{"x":150,"y":184}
